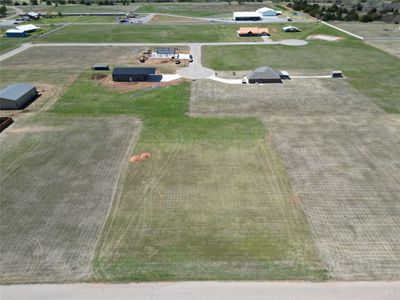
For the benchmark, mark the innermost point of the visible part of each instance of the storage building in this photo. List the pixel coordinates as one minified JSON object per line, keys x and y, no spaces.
{"x":17,"y":96}
{"x":265,"y":75}
{"x":246,"y":16}
{"x":28,"y":28}
{"x":132,"y":74}
{"x":16,"y":33}
{"x":268,"y":12}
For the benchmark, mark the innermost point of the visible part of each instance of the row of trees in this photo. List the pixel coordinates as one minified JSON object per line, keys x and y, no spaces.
{"x":341,"y":13}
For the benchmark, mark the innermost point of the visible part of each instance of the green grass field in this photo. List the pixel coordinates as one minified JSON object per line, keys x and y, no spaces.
{"x":171,"y":33}
{"x":75,"y":19}
{"x":213,"y":202}
{"x":372,"y":71}
{"x":79,"y":8}
{"x":146,"y":33}
{"x":201,"y":10}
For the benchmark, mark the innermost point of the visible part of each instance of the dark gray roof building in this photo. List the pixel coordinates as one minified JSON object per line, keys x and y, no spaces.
{"x":265,"y":75}
{"x":17,"y":96}
{"x":132,"y":74}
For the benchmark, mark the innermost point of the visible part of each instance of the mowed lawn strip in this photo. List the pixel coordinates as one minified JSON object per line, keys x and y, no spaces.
{"x":372,"y":71}
{"x":213,"y":202}
{"x":206,"y":33}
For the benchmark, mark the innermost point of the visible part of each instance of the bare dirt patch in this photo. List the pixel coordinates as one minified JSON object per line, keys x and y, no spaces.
{"x":324,"y":37}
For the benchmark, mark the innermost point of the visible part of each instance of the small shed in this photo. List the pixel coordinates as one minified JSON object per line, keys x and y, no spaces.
{"x":101,"y":67}
{"x":265,"y":75}
{"x":11,"y":33}
{"x":291,"y":29}
{"x":130,"y":74}
{"x":17,"y":96}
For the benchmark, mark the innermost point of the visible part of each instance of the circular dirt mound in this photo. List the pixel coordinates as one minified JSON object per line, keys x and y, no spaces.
{"x":294,"y":42}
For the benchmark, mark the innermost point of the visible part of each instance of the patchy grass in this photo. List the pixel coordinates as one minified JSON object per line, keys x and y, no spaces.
{"x":75,"y":8}
{"x":379,"y":34}
{"x":57,"y":180}
{"x":213,"y":202}
{"x":370,"y":70}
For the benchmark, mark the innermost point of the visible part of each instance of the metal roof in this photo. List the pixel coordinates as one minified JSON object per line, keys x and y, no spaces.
{"x":134,"y":71}
{"x":27,"y":27}
{"x":265,"y":73}
{"x":165,"y":50}
{"x":13,"y":30}
{"x":15,"y":91}
{"x":246,"y":14}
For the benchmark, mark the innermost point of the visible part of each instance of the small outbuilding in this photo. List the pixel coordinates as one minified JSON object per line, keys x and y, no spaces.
{"x":17,"y":96}
{"x":101,"y":67}
{"x":33,"y":15}
{"x":291,"y":29}
{"x":15,"y":33}
{"x":265,"y":75}
{"x":131,"y":74}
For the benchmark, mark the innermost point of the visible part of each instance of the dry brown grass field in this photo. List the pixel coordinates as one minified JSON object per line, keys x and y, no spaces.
{"x":58,"y":177}
{"x":342,"y":155}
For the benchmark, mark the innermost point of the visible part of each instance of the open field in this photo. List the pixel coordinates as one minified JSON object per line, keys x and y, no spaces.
{"x":171,"y":33}
{"x":293,"y":97}
{"x":166,"y":19}
{"x":48,"y":62}
{"x":371,"y":71}
{"x":341,"y":153}
{"x":202,"y":10}
{"x":345,"y":171}
{"x":57,"y":180}
{"x":79,"y":8}
{"x":213,"y":202}
{"x":379,"y":34}
{"x":147,"y":33}
{"x":75,"y":19}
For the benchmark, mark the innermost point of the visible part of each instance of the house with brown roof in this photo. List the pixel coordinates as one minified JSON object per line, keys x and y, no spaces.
{"x":253,"y":31}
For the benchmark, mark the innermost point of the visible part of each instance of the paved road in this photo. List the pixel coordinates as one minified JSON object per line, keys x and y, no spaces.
{"x":195,"y":70}
{"x":207,"y":290}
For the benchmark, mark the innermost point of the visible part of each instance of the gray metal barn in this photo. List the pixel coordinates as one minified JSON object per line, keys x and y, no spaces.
{"x":265,"y":75}
{"x":17,"y":96}
{"x":132,"y":74}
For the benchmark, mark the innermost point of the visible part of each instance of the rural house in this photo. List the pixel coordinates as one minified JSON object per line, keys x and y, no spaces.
{"x":253,"y":31}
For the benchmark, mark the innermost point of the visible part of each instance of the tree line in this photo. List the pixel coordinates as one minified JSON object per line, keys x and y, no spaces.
{"x":341,"y":13}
